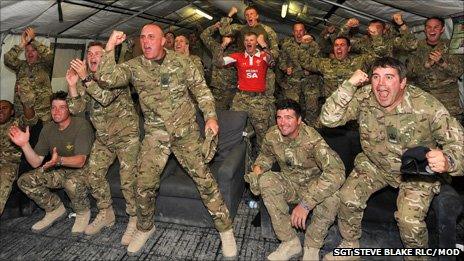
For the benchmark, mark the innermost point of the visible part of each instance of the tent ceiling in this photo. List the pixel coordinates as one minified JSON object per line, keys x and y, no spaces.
{"x":96,"y":18}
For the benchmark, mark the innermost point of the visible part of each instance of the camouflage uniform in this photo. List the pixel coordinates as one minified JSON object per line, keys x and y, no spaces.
{"x":36,"y":183}
{"x":381,"y":45}
{"x":170,"y":126}
{"x":10,"y":156}
{"x":273,"y":47}
{"x":113,"y":115}
{"x":223,"y":79}
{"x":418,"y":120}
{"x":436,"y":80}
{"x":311,"y":172}
{"x":301,"y":83}
{"x":36,"y":75}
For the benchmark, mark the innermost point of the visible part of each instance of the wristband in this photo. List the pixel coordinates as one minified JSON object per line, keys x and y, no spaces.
{"x":59,"y":163}
{"x":87,"y":79}
{"x":302,"y":204}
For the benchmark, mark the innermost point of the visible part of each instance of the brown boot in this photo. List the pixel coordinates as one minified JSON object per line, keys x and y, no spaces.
{"x":49,"y":218}
{"x":286,"y":250}
{"x":229,"y":247}
{"x":344,"y":244}
{"x":138,"y":241}
{"x":104,"y":218}
{"x":81,"y":222}
{"x":310,"y":254}
{"x":130,"y":230}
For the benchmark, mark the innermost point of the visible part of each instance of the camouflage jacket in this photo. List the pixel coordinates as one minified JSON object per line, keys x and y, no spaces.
{"x":111,"y":111}
{"x":221,"y":77}
{"x":289,"y":57}
{"x":436,"y":76}
{"x":334,"y":71}
{"x":419,"y":120}
{"x":305,"y":159}
{"x":384,"y":45}
{"x":36,"y":75}
{"x":269,"y":34}
{"x":9,"y":152}
{"x":163,"y":89}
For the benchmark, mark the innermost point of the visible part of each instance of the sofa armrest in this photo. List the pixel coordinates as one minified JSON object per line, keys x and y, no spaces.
{"x":233,"y":163}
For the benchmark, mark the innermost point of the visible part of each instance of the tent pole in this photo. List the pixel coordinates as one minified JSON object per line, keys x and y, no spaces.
{"x":130,"y":17}
{"x":354,"y":10}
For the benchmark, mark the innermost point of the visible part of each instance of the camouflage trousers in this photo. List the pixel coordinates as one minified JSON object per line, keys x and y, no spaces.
{"x":7,"y":177}
{"x":156,"y":148}
{"x":259,"y":110}
{"x":126,"y":147}
{"x":449,"y":96}
{"x":223,"y":98}
{"x":36,"y":185}
{"x":413,"y":202}
{"x":278,"y":191}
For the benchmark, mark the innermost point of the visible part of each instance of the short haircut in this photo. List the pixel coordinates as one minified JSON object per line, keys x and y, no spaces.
{"x":289,"y":104}
{"x":59,"y":95}
{"x":299,"y":23}
{"x":170,"y":32}
{"x":347,"y":40}
{"x":441,"y":20}
{"x":389,"y":62}
{"x":377,"y":21}
{"x":251,"y":7}
{"x":8,"y":102}
{"x":250,"y":33}
{"x":95,"y":44}
{"x":187,"y":41}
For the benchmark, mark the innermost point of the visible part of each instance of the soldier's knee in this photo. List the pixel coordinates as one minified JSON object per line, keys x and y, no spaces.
{"x":348,"y":198}
{"x":267,"y":182}
{"x":25,"y":181}
{"x":70,"y":185}
{"x":408,"y":220}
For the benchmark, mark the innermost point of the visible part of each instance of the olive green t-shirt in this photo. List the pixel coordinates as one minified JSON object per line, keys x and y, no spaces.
{"x":76,"y":139}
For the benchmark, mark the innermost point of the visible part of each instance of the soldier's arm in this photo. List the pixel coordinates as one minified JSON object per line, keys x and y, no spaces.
{"x":102,"y":96}
{"x":228,"y":29}
{"x":406,"y":41}
{"x":45,"y":54}
{"x":450,"y":135}
{"x":333,"y":172}
{"x":283,"y":61}
{"x":197,"y":85}
{"x":309,"y":61}
{"x":273,"y":42}
{"x":452,"y":65}
{"x":266,"y":156}
{"x":111,"y":75}
{"x":341,"y":107}
{"x":11,"y":58}
{"x":207,"y":37}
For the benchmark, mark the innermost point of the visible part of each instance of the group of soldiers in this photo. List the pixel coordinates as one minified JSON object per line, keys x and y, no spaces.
{"x":316,"y":90}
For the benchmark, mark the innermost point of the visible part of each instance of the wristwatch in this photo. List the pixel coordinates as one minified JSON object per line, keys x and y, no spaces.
{"x":59,"y":163}
{"x":87,"y":79}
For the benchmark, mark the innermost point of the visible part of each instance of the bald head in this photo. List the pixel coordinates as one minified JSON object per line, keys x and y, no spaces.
{"x":152,"y":41}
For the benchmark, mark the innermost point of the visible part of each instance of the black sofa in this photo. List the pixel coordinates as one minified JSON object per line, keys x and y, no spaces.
{"x":178,"y":200}
{"x":378,"y":216}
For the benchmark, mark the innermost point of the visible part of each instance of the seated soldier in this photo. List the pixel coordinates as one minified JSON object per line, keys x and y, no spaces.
{"x":393,"y":117}
{"x":69,"y":141}
{"x":311,"y":174}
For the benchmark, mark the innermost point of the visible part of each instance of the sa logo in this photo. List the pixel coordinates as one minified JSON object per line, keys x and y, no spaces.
{"x":251,"y":75}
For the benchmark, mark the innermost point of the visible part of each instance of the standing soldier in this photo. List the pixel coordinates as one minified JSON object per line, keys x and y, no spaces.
{"x":182,"y":46}
{"x":435,"y":69}
{"x":393,"y":117}
{"x":311,"y":174}
{"x":223,"y":79}
{"x":163,"y":80}
{"x":68,"y":140}
{"x":113,"y":115}
{"x":302,"y":84}
{"x":34,"y":71}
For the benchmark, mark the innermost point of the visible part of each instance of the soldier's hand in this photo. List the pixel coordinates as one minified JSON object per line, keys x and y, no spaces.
{"x":307,"y":39}
{"x":352,"y":22}
{"x":53,"y":161}
{"x":398,"y":18}
{"x":213,"y":125}
{"x":72,"y":78}
{"x":261,"y":41}
{"x":116,"y":38}
{"x":299,"y":215}
{"x":226,"y":41}
{"x":233,"y":10}
{"x":217,"y":25}
{"x":23,"y":39}
{"x":358,"y":78}
{"x":80,"y":67}
{"x":289,"y":71}
{"x":30,"y":33}
{"x":19,"y":137}
{"x":435,"y":56}
{"x":437,"y":161}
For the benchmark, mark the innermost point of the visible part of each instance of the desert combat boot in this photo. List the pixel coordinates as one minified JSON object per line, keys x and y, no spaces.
{"x":229,"y":246}
{"x":49,"y":218}
{"x":138,"y":241}
{"x":286,"y":250}
{"x":104,"y":218}
{"x":130,"y":231}
{"x":81,"y":222}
